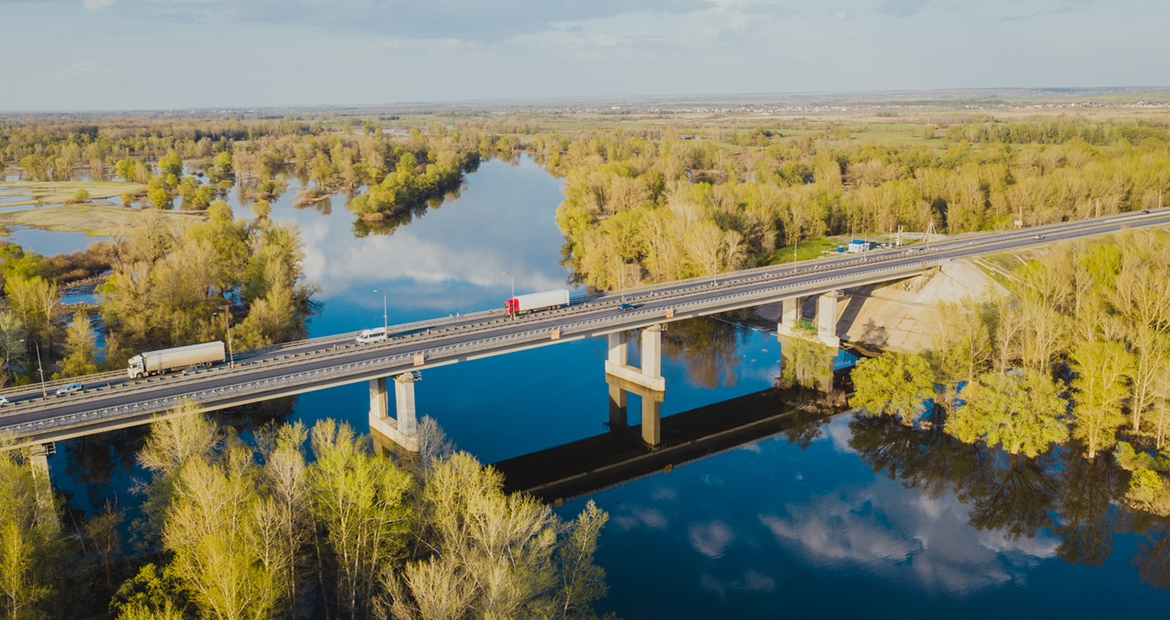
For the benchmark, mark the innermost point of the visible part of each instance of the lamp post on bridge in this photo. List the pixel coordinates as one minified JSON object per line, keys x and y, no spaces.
{"x":40,"y":367}
{"x":513,"y":278}
{"x":227,"y":323}
{"x":385,"y":321}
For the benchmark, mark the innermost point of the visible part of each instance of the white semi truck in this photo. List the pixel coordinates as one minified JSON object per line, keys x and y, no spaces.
{"x":158,"y":362}
{"x":536,"y":301}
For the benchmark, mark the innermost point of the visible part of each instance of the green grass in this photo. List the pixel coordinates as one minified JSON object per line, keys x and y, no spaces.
{"x":805,"y":250}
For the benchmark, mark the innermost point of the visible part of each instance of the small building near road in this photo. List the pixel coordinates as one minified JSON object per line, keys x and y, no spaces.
{"x":857,"y":246}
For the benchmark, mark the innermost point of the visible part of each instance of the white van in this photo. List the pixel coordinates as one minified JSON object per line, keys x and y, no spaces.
{"x":368,"y":336}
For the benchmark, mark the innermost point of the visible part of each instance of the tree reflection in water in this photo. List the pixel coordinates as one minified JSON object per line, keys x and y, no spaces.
{"x":1078,"y":499}
{"x":708,"y":347}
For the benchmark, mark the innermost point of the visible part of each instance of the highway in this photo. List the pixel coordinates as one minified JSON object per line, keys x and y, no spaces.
{"x":111,"y":400}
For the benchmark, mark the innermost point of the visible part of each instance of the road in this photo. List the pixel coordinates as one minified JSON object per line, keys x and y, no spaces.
{"x":112,"y":400}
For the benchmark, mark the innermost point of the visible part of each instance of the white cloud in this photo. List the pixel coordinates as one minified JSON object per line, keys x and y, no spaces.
{"x":81,"y":68}
{"x":711,"y":539}
{"x":97,"y":5}
{"x":927,"y":541}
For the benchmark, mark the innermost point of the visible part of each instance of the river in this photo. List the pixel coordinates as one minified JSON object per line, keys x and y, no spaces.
{"x":799,"y":524}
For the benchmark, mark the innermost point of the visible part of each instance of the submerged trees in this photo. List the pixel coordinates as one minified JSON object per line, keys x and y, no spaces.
{"x":1020,"y":411}
{"x":893,"y":384}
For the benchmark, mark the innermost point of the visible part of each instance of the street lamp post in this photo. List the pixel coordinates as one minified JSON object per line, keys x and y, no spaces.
{"x":40,"y":368}
{"x":385,"y":321}
{"x":227,"y":323}
{"x":513,"y":282}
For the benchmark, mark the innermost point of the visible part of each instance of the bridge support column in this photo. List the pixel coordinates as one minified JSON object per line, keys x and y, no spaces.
{"x":619,"y":391}
{"x":651,"y":421}
{"x":618,"y":350}
{"x":790,"y":311}
{"x":650,"y":374}
{"x":827,"y":319}
{"x":617,"y":407}
{"x":403,"y":428}
{"x":39,"y":461}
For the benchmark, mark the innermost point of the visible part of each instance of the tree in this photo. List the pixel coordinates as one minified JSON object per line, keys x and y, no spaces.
{"x":80,"y":347}
{"x":12,"y":333}
{"x":1101,"y":385}
{"x":29,"y":538}
{"x":893,"y":384}
{"x":1022,"y":411}
{"x":358,"y":501}
{"x":493,"y":555}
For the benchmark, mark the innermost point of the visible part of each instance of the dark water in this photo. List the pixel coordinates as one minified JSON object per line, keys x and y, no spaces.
{"x":765,"y":530}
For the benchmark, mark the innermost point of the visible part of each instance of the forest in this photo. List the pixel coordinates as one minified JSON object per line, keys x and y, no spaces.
{"x":300,"y":523}
{"x":669,"y":208}
{"x":1075,"y":358}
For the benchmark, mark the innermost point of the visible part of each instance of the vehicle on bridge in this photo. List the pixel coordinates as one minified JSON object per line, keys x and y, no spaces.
{"x":536,"y":301}
{"x":368,"y":336}
{"x":166,"y":360}
{"x":72,"y":388}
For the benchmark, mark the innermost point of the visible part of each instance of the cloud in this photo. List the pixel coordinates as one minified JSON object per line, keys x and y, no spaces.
{"x":751,"y":581}
{"x":711,"y":539}
{"x":642,"y":517}
{"x":902,"y":8}
{"x":839,"y":433}
{"x":81,"y":68}
{"x":441,"y":19}
{"x":928,"y":541}
{"x":97,"y":5}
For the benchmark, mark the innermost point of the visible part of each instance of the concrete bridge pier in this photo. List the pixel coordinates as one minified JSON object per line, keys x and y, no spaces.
{"x":402,"y":429}
{"x":38,"y":457}
{"x":619,"y":390}
{"x":790,"y":315}
{"x":827,"y":319}
{"x":650,"y":374}
{"x":618,"y":417}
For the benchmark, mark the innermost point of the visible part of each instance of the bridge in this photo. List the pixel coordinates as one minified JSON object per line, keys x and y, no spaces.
{"x":113,"y":401}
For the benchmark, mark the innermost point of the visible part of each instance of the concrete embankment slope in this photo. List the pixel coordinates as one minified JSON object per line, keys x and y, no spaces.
{"x":901,"y":316}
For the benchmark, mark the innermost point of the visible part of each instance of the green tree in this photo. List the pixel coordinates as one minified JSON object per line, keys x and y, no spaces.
{"x":12,"y":335}
{"x":80,"y":347}
{"x":1022,"y":411}
{"x":1101,"y":388}
{"x":29,"y":537}
{"x":893,"y":384}
{"x":358,"y":501}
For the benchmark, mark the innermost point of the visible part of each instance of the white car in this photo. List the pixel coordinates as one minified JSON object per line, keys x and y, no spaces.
{"x":70,"y":389}
{"x":368,"y":336}
{"x":4,"y":400}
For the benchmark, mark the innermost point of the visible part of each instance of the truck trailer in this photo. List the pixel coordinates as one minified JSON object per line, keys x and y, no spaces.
{"x":165,"y":360}
{"x":536,"y":301}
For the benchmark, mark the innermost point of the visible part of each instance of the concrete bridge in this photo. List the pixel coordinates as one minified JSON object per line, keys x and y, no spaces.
{"x":112,"y":401}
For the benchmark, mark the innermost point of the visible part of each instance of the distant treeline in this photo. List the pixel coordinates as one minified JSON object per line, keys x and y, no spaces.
{"x":1097,"y":134}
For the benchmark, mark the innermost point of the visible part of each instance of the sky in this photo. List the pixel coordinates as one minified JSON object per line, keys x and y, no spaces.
{"x":65,"y":55}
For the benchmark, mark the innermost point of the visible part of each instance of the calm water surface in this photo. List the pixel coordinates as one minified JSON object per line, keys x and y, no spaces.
{"x":766,"y":530}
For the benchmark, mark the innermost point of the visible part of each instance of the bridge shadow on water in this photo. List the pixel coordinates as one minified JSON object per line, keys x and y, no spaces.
{"x":595,"y":463}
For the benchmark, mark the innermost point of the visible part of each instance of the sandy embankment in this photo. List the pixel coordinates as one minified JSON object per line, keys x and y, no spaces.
{"x":900,"y":316}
